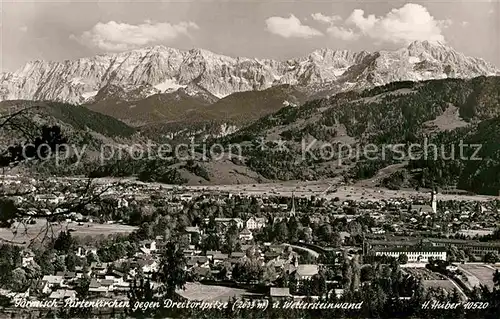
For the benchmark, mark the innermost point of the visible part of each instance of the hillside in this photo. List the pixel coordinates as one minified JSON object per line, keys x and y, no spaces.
{"x":311,"y":141}
{"x":77,"y":117}
{"x":157,"y":108}
{"x":84,"y":131}
{"x":401,"y":112}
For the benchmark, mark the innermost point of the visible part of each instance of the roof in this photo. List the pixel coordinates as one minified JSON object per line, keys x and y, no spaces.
{"x":203,"y":271}
{"x":221,"y":256}
{"x":117,"y":273}
{"x":279,"y":292}
{"x":53,"y":279}
{"x":307,"y":270}
{"x":412,"y":249}
{"x":213,"y":252}
{"x":94,"y":284}
{"x":423,"y":208}
{"x":257,"y":219}
{"x":62,"y":294}
{"x":245,"y":232}
{"x":237,"y":220}
{"x":192,"y":229}
{"x":107,"y":282}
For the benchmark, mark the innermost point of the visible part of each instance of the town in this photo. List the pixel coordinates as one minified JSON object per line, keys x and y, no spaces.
{"x":243,"y":247}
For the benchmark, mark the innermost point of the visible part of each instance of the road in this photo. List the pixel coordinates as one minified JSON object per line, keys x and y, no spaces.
{"x":310,"y":251}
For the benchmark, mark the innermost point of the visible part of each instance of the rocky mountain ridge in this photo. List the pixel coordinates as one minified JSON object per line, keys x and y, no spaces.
{"x":159,"y":69}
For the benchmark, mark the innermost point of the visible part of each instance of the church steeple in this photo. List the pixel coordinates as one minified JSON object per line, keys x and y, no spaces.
{"x":434,"y":200}
{"x":292,"y":211}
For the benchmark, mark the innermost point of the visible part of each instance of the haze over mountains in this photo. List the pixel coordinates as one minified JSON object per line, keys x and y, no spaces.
{"x":141,"y":73}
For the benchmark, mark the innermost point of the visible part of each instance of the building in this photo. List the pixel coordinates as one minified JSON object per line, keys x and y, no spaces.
{"x":256,"y":223}
{"x":476,"y":247}
{"x":306,"y":271}
{"x":279,"y":293}
{"x":245,"y":234}
{"x":122,"y":203}
{"x":421,"y":209}
{"x":63,"y":294}
{"x":227,"y":222}
{"x":434,"y":201}
{"x":148,"y":246}
{"x":292,"y":211}
{"x":28,"y":257}
{"x":414,"y":254}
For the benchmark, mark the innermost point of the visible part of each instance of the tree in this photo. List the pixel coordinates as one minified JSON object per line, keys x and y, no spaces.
{"x":281,"y":232}
{"x":141,"y":291}
{"x":402,"y":259}
{"x":325,"y":233}
{"x":336,"y":240}
{"x":231,"y":238}
{"x":268,"y":274}
{"x":64,"y":242}
{"x":18,"y":280}
{"x":82,"y":287}
{"x":211,"y":242}
{"x":367,"y":273}
{"x":347,"y":274}
{"x":293,"y":229}
{"x":356,"y":273}
{"x":247,"y":270}
{"x":171,"y":274}
{"x":491,"y":258}
{"x":59,"y":264}
{"x":71,"y":261}
{"x":8,"y":211}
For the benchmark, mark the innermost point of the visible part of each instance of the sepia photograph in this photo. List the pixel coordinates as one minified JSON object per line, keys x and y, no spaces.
{"x":250,"y":159}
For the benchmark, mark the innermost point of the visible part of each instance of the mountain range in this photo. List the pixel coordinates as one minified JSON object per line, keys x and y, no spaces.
{"x":138,"y":74}
{"x":425,"y":90}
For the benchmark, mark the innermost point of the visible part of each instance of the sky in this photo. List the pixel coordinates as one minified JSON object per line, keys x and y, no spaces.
{"x":58,"y":30}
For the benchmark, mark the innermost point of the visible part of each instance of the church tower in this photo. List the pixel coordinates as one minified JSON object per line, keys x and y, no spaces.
{"x":292,"y":211}
{"x":434,"y":201}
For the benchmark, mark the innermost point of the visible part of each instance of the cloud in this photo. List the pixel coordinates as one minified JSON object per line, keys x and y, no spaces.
{"x":342,"y":33}
{"x":465,"y":24}
{"x":325,"y":19}
{"x":333,"y":30}
{"x":412,"y":22}
{"x":116,"y":36}
{"x":290,"y":28}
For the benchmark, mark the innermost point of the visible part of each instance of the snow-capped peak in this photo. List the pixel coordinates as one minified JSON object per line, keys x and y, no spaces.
{"x":162,"y":69}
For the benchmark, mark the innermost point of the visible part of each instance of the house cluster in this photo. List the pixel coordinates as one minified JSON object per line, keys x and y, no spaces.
{"x":106,"y":281}
{"x":245,"y":228}
{"x":216,"y":265}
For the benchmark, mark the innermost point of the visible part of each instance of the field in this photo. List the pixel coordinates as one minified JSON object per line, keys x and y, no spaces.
{"x":478,"y":274}
{"x":432,"y":279}
{"x":22,"y":234}
{"x":201,"y":292}
{"x":328,"y":189}
{"x":325,"y":190}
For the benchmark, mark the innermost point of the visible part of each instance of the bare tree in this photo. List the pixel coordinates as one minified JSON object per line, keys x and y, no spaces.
{"x":18,"y":123}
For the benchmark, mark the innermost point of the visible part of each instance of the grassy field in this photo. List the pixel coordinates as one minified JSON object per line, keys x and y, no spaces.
{"x":328,"y":189}
{"x":22,"y":234}
{"x":201,"y":292}
{"x":479,"y":274}
{"x":322,"y":189}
